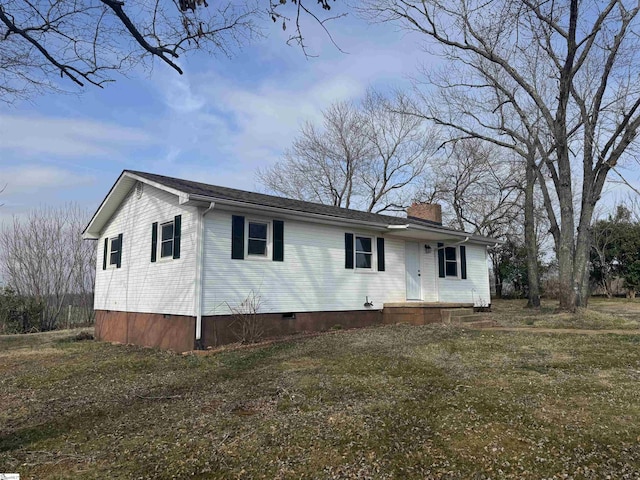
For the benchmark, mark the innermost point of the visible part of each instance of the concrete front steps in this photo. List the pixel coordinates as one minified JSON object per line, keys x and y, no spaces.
{"x":466,"y":317}
{"x":422,"y":313}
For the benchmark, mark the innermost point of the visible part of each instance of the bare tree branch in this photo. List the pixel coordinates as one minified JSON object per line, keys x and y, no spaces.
{"x":88,"y":41}
{"x":366,"y":156}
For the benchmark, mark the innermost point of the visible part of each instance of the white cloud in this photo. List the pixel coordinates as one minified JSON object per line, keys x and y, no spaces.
{"x":64,"y":137}
{"x":178,"y":94}
{"x":36,"y":178}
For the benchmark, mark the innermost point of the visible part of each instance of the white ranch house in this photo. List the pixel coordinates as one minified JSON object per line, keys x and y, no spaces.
{"x":175,"y":255}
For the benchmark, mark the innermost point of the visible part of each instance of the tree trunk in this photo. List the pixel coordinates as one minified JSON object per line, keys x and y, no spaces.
{"x":566,"y":246}
{"x":581,"y":258}
{"x":497,"y":278}
{"x":530,"y":238}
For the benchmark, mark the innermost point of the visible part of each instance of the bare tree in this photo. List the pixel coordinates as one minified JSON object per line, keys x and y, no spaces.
{"x":365,"y":155}
{"x":45,"y":258}
{"x":322,"y":164}
{"x":479,"y":187}
{"x":565,"y":75}
{"x":482,"y":189}
{"x":86,"y":41}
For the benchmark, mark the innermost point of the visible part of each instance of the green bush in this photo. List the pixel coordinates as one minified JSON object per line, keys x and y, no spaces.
{"x":18,"y":314}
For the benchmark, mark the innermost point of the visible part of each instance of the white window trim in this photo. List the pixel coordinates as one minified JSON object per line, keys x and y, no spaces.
{"x":458,"y":273}
{"x":109,"y":264}
{"x":374,"y":254}
{"x":268,"y":254}
{"x":159,"y":257}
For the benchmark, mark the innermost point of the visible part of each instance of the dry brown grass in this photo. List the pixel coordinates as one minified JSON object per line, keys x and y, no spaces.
{"x":392,"y":402}
{"x":602,"y":314}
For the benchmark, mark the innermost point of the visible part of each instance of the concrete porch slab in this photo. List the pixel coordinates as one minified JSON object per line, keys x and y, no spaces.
{"x":422,"y":313}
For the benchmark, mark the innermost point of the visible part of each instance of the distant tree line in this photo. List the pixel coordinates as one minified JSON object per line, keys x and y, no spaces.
{"x":615,"y":255}
{"x":48,"y":270}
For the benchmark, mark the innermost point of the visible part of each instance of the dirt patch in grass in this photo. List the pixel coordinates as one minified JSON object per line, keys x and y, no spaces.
{"x":392,"y":402}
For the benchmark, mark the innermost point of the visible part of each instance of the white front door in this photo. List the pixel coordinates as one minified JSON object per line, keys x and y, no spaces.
{"x":412,"y":266}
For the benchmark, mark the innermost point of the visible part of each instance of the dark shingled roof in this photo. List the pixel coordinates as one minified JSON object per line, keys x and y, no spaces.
{"x":206,"y":190}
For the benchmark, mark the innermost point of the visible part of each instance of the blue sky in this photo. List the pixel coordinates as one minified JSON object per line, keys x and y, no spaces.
{"x":217,"y":123}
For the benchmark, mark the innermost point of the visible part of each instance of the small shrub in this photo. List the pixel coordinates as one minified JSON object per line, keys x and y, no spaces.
{"x":83,"y":336}
{"x":18,"y":314}
{"x":551,"y":288}
{"x":248,"y":322}
{"x":337,"y":326}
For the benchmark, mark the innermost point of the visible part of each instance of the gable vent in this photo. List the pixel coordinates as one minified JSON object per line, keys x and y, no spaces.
{"x":139,"y":188}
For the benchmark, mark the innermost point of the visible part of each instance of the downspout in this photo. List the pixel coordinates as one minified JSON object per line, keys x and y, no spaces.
{"x":199,"y":286}
{"x":466,"y":239}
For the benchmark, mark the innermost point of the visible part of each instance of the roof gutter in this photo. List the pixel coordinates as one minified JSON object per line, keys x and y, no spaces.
{"x":467,"y":236}
{"x":398,"y":227}
{"x":341,"y":220}
{"x":457,"y":243}
{"x":286,"y":211}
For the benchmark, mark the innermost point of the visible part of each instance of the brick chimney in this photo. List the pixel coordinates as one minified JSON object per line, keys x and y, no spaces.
{"x":426,"y":211}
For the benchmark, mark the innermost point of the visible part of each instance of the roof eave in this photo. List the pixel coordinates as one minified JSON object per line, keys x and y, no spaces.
{"x":455,"y":233}
{"x":288,"y":212}
{"x":95,"y":226}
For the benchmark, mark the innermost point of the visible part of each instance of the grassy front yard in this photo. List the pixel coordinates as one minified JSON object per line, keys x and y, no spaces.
{"x":603,"y":313}
{"x":392,"y":402}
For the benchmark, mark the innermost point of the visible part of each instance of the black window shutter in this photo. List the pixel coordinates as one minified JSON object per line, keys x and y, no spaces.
{"x":380,"y":250}
{"x":237,"y":237}
{"x":119,"y":260}
{"x":154,"y":241}
{"x":106,"y":252}
{"x":441,"y":260}
{"x":348,"y":250}
{"x":177,"y":228}
{"x":278,"y":241}
{"x":463,"y":261}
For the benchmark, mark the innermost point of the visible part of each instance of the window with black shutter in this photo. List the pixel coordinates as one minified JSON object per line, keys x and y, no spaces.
{"x":361,"y":250}
{"x":166,"y":238}
{"x":114,"y":250}
{"x":451,"y":262}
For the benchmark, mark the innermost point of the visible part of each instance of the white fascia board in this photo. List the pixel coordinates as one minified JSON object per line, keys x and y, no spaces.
{"x":92,"y":231}
{"x":179,"y":193}
{"x":455,"y":234}
{"x":96,"y":224}
{"x":235,"y":205}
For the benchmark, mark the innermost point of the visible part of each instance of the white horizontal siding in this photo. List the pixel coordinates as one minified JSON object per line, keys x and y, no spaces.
{"x":312,"y":277}
{"x":166,"y":286}
{"x":475,"y":288}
